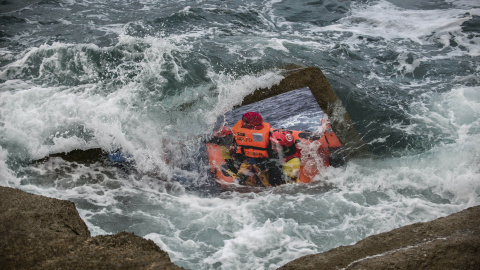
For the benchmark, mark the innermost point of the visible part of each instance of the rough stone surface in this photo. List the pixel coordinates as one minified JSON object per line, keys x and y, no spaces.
{"x":37,"y":232}
{"x":298,"y":77}
{"x":451,"y":242}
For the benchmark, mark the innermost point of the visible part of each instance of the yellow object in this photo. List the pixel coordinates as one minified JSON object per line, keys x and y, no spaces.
{"x":252,"y":174}
{"x":245,"y":169}
{"x":292,"y":169}
{"x":225,"y":153}
{"x":263,"y":176}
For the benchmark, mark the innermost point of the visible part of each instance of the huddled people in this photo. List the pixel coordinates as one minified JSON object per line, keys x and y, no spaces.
{"x":255,"y":155}
{"x":289,"y":155}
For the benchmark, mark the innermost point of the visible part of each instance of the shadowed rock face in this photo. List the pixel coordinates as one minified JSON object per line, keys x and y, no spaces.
{"x":298,"y":77}
{"x":451,"y":242}
{"x":37,"y":232}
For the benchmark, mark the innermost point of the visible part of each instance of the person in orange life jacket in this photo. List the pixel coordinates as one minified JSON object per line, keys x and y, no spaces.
{"x":289,"y":155}
{"x":254,"y":149}
{"x":225,"y":139}
{"x":247,"y":173}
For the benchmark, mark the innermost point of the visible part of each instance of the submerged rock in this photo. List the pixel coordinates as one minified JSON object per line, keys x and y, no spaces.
{"x":451,"y":242}
{"x":45,"y":233}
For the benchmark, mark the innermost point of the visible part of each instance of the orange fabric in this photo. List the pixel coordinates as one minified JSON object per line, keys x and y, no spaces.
{"x":252,"y":142}
{"x":216,"y":161}
{"x":333,"y":141}
{"x":295,"y":139}
{"x":316,"y":150}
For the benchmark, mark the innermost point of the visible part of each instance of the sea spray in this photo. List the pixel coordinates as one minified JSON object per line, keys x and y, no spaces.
{"x":151,"y":80}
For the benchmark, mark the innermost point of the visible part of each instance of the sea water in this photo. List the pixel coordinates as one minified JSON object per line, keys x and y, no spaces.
{"x":151,"y":78}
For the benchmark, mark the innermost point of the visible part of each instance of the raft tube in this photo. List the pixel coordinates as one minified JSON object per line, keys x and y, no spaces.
{"x":316,"y":151}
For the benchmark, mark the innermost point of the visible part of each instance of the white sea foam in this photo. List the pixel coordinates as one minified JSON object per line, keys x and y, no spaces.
{"x":151,"y":123}
{"x":267,"y":230}
{"x":34,"y":115}
{"x":385,"y":20}
{"x":466,"y":4}
{"x":257,"y":242}
{"x":7,"y":176}
{"x":232,"y":90}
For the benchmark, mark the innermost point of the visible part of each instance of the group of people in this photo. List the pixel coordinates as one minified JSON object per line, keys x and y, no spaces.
{"x":256,"y":155}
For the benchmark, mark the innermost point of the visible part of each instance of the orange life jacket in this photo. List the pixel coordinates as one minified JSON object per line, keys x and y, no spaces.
{"x":252,"y":142}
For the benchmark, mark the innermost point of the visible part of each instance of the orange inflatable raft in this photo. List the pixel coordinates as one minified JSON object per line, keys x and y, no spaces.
{"x":317,"y":151}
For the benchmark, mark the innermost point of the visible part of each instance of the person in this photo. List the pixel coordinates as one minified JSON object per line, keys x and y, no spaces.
{"x":252,"y":137}
{"x":289,"y":155}
{"x":225,"y":139}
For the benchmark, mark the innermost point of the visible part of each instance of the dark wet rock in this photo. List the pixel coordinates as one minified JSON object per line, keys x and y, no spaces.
{"x":81,"y":156}
{"x":37,"y":232}
{"x":298,"y":77}
{"x":451,"y":242}
{"x":472,"y":25}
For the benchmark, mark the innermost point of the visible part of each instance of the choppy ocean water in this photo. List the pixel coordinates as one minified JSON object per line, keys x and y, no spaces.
{"x":152,"y":77}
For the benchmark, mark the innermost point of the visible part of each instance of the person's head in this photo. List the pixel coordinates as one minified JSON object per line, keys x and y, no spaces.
{"x":224,"y":135}
{"x":224,"y":131}
{"x":282,"y":140}
{"x":252,"y":120}
{"x":282,"y":137}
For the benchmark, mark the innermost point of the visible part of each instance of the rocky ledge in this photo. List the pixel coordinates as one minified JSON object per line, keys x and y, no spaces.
{"x":37,"y":232}
{"x":451,"y":242}
{"x":297,"y":77}
{"x":45,"y":233}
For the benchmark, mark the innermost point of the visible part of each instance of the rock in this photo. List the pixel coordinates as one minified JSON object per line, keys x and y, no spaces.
{"x":298,"y":77}
{"x":45,"y":233}
{"x":88,"y":156}
{"x":451,"y":242}
{"x":37,"y":232}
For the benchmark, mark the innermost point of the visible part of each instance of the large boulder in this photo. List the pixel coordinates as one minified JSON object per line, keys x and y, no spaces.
{"x":37,"y":232}
{"x":312,"y":77}
{"x":451,"y":242}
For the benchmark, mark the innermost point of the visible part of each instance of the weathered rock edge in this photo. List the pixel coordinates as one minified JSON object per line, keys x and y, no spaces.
{"x":38,"y":232}
{"x":451,"y":242}
{"x":312,"y":77}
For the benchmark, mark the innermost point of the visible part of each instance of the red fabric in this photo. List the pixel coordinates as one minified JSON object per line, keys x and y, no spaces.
{"x":254,"y":120}
{"x":282,"y":138}
{"x":223,"y":132}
